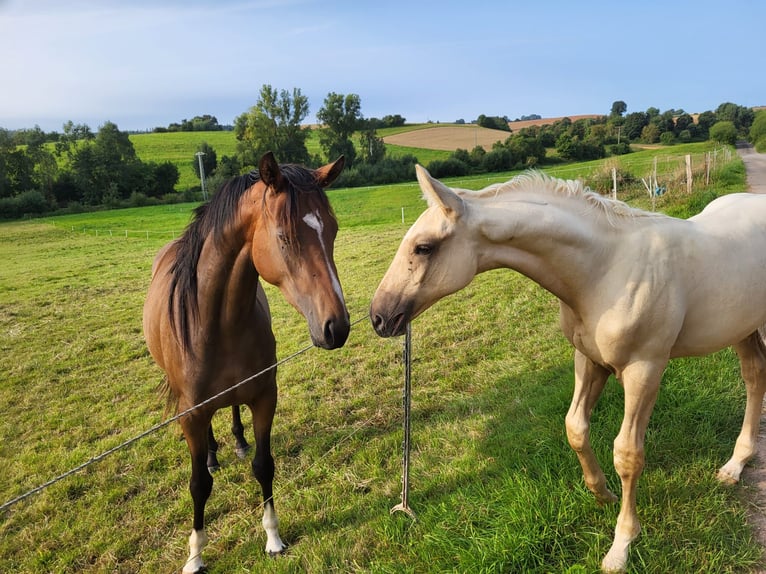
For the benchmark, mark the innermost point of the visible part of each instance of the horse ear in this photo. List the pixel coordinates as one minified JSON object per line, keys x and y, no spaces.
{"x":326,"y":174}
{"x":436,"y":193}
{"x":269,"y":172}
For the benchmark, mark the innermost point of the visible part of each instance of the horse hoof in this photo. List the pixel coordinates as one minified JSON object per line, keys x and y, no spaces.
{"x":243,"y":452}
{"x":726,"y":478}
{"x":215,"y":468}
{"x":277,"y":553}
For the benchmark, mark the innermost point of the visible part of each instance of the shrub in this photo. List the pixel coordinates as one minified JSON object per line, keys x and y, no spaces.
{"x":450,"y":167}
{"x":724,"y":132}
{"x":667,"y":138}
{"x":758,"y":128}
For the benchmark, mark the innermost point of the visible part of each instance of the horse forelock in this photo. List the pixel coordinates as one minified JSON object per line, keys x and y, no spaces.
{"x":541,"y":183}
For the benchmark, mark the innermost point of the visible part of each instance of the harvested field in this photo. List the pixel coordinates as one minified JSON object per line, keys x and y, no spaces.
{"x":452,"y":137}
{"x":448,"y":138}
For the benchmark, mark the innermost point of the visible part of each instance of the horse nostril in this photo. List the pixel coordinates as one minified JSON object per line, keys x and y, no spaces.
{"x":377,"y":322}
{"x":329,"y":334}
{"x":335,"y":334}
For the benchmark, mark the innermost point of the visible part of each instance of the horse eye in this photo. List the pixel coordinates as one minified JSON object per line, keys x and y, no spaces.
{"x":423,"y":249}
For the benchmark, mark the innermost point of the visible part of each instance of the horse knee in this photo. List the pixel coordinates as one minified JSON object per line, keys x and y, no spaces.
{"x":263,"y":468}
{"x":628,"y":461}
{"x":201,"y":485}
{"x":577,"y":433}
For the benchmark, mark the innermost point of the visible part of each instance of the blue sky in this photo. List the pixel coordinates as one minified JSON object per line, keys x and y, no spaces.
{"x":147,"y":63}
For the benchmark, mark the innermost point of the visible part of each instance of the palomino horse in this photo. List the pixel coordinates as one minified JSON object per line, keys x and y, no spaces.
{"x":635,"y":288}
{"x":207,"y":322}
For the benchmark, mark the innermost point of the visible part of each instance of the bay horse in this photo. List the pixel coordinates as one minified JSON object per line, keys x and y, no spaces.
{"x":207,"y":321}
{"x":635,"y":289}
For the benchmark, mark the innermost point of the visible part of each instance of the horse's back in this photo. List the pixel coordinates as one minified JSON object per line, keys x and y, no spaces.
{"x":743,"y":207}
{"x":723,"y":265}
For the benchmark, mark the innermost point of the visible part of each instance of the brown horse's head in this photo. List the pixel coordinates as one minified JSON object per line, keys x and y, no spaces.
{"x":293,"y":232}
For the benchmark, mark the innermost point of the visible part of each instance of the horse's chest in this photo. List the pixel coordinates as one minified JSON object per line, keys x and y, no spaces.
{"x":604,"y":342}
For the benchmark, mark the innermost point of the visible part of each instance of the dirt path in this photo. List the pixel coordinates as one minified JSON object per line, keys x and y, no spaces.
{"x":754,"y":474}
{"x":755,"y":167}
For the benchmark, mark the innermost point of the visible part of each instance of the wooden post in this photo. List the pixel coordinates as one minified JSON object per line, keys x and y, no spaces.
{"x":688,"y":173}
{"x":614,"y":183}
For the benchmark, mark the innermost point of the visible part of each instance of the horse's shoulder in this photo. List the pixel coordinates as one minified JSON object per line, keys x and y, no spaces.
{"x":164,"y":256}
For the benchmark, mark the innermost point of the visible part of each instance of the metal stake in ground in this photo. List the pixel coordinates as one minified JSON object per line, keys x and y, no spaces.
{"x":407,"y":360}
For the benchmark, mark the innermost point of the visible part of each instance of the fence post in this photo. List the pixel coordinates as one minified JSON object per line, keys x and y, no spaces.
{"x":688,"y":173}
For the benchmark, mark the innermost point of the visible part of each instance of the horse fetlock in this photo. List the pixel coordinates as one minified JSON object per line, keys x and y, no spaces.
{"x":616,"y":560}
{"x":197,"y":542}
{"x":243,"y":452}
{"x":270,"y":522}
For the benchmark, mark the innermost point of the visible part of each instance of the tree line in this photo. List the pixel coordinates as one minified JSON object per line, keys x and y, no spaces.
{"x":79,"y":169}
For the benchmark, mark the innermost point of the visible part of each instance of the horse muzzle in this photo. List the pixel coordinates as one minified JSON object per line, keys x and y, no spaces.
{"x":389,"y":321}
{"x":333,"y":335}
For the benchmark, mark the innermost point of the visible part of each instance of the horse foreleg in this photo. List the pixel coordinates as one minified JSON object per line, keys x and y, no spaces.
{"x":263,"y":467}
{"x":641,"y":382}
{"x":590,"y":379}
{"x":238,"y":430}
{"x":752,"y":360}
{"x":200,"y":486}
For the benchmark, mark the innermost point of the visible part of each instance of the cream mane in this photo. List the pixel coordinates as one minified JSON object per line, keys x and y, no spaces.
{"x":543,"y":184}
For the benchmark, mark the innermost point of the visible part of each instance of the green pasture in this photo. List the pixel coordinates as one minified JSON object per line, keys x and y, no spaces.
{"x":494,"y":483}
{"x":179,"y":149}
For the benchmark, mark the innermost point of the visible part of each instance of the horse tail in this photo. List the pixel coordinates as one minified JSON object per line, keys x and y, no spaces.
{"x":165,"y":392}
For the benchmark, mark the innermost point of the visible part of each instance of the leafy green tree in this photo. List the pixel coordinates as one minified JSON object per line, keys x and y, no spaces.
{"x":618,"y":108}
{"x":72,"y":136}
{"x":683,"y":122}
{"x":493,"y":122}
{"x":340,"y":116}
{"x":704,"y":122}
{"x":758,"y":127}
{"x":724,"y":132}
{"x":273,"y":124}
{"x":372,"y":148}
{"x":633,"y":124}
{"x":107,"y":168}
{"x":650,"y":133}
{"x":164,"y":179}
{"x":228,"y":167}
{"x":209,"y":160}
{"x":740,"y":116}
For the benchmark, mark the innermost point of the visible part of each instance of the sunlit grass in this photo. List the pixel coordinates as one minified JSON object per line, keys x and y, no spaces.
{"x":493,"y":482}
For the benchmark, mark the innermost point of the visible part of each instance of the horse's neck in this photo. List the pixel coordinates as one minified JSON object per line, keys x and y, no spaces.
{"x":562,"y":251}
{"x":227,"y":281}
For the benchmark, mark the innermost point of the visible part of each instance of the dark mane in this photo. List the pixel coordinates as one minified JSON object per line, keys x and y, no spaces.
{"x":213,"y":218}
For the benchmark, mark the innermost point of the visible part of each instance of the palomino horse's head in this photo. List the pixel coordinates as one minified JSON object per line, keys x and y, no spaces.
{"x":293,"y":234}
{"x":437,"y":257}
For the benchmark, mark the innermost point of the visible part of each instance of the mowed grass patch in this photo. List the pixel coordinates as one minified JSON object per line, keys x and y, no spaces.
{"x":493,"y":482}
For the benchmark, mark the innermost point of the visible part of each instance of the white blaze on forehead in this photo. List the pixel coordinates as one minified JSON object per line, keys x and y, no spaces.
{"x":315,"y":222}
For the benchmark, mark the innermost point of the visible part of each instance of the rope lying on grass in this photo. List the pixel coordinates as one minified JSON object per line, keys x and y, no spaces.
{"x":156,"y":427}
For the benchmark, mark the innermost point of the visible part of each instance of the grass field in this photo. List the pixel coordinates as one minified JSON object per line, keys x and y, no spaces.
{"x":493,"y":482}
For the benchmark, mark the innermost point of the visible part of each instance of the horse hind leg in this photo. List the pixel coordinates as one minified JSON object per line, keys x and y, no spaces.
{"x":242,"y":448}
{"x":212,"y":451}
{"x":752,"y":359}
{"x":263,"y":466}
